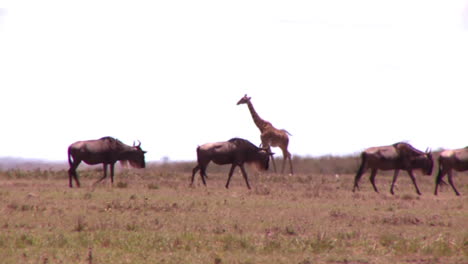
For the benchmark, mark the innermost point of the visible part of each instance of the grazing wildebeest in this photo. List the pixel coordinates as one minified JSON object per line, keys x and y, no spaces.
{"x":235,"y":151}
{"x":456,"y":159}
{"x":106,"y":150}
{"x":399,"y":156}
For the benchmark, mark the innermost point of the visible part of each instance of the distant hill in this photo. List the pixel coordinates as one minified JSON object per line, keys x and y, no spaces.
{"x":7,"y":163}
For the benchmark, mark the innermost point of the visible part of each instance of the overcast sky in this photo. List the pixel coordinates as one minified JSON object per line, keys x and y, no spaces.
{"x":339,"y":75}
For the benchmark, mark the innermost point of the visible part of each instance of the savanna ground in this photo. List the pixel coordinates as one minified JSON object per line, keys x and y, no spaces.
{"x":152,"y":216}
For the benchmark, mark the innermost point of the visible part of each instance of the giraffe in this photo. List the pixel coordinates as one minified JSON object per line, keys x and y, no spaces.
{"x":269,"y":135}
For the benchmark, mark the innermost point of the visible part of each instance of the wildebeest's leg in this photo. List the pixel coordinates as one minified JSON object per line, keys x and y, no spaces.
{"x":372,"y":179}
{"x":194,"y":171}
{"x":439,"y":177}
{"x":245,"y":175}
{"x":104,"y":168}
{"x":451,"y":182}
{"x":362,"y":169}
{"x":410,"y":173}
{"x":265,"y":145}
{"x":231,"y":171}
{"x":112,"y":172}
{"x":73,"y":174}
{"x":201,"y":166}
{"x":395,"y":176}
{"x":203,"y":174}
{"x":70,"y":178}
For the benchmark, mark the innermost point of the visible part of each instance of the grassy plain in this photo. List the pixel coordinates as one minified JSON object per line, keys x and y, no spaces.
{"x":152,"y":216}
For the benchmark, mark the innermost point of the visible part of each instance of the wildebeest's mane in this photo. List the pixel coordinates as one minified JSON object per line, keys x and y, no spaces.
{"x":119,"y":145}
{"x":242,"y":142}
{"x":408,"y":146}
{"x":114,"y":143}
{"x":401,"y":142}
{"x":111,"y":139}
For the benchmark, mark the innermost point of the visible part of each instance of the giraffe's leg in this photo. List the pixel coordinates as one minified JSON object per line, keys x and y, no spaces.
{"x":290,"y":165}
{"x":274,"y":164}
{"x":286,"y":156}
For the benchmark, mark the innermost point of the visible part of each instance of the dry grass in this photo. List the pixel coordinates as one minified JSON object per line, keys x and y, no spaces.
{"x":152,"y":216}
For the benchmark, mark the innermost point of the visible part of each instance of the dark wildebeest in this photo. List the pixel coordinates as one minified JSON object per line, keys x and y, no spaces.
{"x":399,"y":156}
{"x":456,"y":159}
{"x":236,"y":151}
{"x":106,"y":150}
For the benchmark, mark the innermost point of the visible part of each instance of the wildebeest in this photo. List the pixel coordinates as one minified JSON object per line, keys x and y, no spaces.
{"x":399,"y":156}
{"x":236,"y":152}
{"x":456,"y":159}
{"x":106,"y":150}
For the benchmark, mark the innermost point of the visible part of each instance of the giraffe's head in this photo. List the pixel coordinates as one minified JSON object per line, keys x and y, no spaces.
{"x":244,"y":100}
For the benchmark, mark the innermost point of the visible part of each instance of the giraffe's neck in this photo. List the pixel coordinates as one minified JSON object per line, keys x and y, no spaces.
{"x":259,"y":122}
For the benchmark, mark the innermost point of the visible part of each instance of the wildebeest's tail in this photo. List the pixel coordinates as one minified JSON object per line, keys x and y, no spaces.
{"x":284,"y":130}
{"x":70,"y":159}
{"x":198,"y":154}
{"x":360,"y":171}
{"x":363,"y":163}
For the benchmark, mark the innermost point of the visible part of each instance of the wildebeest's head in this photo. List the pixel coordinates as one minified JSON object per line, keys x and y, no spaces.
{"x":137,"y":156}
{"x":244,"y":100}
{"x":428,"y":163}
{"x":262,"y":159}
{"x":424,"y":161}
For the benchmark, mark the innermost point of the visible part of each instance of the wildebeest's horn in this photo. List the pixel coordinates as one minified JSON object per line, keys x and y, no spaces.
{"x":139,"y":143}
{"x":268,"y":150}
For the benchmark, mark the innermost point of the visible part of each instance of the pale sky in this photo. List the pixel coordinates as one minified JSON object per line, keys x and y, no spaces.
{"x":339,"y":75}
